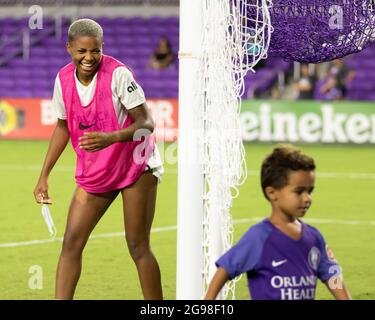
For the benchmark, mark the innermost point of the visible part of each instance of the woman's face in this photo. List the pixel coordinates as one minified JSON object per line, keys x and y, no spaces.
{"x":86,"y":53}
{"x":163,"y":44}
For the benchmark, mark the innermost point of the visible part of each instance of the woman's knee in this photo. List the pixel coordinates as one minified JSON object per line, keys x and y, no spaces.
{"x":73,"y":243}
{"x":138,"y":248}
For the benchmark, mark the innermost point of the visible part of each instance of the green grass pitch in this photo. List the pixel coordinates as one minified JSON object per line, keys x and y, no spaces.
{"x":343,"y":209}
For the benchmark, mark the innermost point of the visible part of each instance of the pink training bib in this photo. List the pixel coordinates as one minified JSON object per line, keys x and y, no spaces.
{"x":118,"y":165}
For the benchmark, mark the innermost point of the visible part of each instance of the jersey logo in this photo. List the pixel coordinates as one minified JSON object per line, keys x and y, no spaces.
{"x":84,"y":127}
{"x":330,"y":254}
{"x":314,"y":258}
{"x":276,"y":264}
{"x":132,"y":87}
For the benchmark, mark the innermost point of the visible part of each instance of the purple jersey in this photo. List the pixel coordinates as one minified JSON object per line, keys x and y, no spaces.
{"x":278,"y":267}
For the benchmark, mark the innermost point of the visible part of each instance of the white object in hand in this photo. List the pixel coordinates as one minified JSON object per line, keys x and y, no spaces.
{"x":48,"y":219}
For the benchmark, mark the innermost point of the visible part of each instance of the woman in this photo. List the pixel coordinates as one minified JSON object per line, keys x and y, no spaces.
{"x":102,"y":110}
{"x":163,"y":56}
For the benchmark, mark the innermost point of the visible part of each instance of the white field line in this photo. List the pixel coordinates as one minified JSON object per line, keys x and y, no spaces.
{"x":61,"y":168}
{"x":173,"y":228}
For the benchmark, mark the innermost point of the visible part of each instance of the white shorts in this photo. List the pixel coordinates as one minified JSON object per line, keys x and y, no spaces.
{"x":155,"y":164}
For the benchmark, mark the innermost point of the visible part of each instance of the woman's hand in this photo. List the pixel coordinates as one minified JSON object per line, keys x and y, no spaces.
{"x":41,"y":192}
{"x":95,"y":141}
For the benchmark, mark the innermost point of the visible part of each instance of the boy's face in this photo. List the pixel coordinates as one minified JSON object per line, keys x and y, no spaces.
{"x":86,"y":53}
{"x":294,"y":199}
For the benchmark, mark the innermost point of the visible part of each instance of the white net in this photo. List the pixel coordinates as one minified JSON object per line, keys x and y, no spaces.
{"x":236,"y":36}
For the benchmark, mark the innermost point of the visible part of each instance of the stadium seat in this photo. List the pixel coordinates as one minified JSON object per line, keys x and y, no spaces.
{"x":132,"y":41}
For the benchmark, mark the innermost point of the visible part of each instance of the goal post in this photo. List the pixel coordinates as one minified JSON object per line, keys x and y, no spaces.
{"x":190,"y":169}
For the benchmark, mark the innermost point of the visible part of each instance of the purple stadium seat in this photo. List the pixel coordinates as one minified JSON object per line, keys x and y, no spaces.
{"x":111,"y":51}
{"x":5,"y":73}
{"x":7,"y":83}
{"x":171,"y":72}
{"x":156,"y":20}
{"x":140,"y":30}
{"x":171,"y":93}
{"x":152,"y":74}
{"x":123,"y":40}
{"x":132,"y":41}
{"x":39,"y":73}
{"x":137,"y":21}
{"x":9,"y":29}
{"x":21,"y":72}
{"x":40,"y":93}
{"x":24,"y":83}
{"x":22,"y":93}
{"x":40,"y":62}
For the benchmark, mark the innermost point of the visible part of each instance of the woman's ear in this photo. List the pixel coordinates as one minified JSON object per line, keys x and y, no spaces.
{"x":271,"y":193}
{"x":69,"y":48}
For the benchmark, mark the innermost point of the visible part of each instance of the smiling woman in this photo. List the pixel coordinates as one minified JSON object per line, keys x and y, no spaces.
{"x":86,"y":53}
{"x":85,"y":42}
{"x":104,"y":121}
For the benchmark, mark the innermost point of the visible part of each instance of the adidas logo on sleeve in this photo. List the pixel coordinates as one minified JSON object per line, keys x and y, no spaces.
{"x":132,"y":87}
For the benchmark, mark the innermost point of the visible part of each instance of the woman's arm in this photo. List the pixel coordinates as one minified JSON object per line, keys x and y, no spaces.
{"x":56,"y":146}
{"x":217,"y":283}
{"x":95,"y":141}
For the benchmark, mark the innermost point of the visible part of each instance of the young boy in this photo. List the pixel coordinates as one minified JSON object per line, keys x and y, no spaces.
{"x":282,"y":256}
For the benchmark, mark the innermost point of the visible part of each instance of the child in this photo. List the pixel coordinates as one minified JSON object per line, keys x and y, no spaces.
{"x":102,"y":110}
{"x":282,"y":256}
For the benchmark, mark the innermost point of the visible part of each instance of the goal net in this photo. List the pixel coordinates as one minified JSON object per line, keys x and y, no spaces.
{"x":236,"y":36}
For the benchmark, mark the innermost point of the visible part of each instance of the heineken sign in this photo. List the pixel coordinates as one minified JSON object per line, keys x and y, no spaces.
{"x":308,"y":122}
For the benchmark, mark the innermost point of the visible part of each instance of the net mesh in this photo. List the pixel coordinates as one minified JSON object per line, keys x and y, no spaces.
{"x":315,"y":31}
{"x":233,"y":42}
{"x":236,"y":36}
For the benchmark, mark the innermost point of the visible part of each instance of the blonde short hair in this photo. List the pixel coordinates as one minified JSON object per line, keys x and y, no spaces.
{"x":85,"y":28}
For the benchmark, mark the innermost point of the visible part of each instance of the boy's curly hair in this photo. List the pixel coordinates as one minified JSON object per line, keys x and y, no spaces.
{"x":277,"y":166}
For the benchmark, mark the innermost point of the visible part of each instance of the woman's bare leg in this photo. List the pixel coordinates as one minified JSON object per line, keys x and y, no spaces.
{"x":139,"y":208}
{"x":85,"y":211}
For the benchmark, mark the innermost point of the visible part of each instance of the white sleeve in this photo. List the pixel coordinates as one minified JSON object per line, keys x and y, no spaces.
{"x":127,"y":89}
{"x":57,"y":100}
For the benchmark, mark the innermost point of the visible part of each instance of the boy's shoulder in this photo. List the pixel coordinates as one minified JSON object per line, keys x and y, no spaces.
{"x":259,"y":231}
{"x":311,"y":228}
{"x":313,"y":231}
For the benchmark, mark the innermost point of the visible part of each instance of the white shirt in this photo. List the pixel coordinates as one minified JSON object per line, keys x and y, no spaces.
{"x":126,"y":94}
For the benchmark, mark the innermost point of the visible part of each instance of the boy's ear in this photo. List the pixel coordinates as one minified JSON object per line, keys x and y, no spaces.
{"x":271,"y":193}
